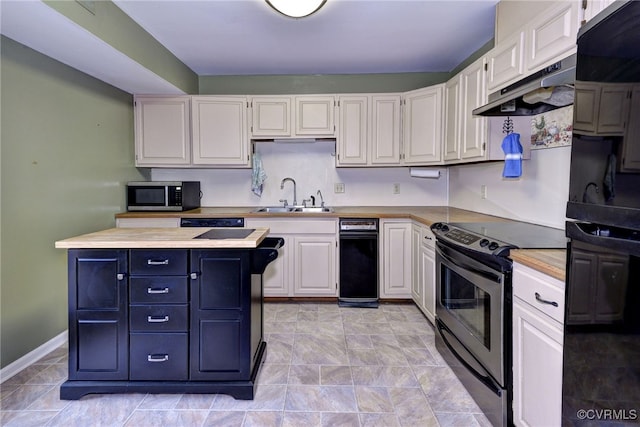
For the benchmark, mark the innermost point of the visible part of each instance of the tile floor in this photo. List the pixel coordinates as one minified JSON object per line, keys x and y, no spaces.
{"x":326,"y":366}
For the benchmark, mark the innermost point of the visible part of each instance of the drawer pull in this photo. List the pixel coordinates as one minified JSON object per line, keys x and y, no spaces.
{"x":157,"y":357}
{"x":428,"y":237}
{"x":157,"y":262}
{"x":544,"y":301}
{"x":157,"y":319}
{"x":157,"y":290}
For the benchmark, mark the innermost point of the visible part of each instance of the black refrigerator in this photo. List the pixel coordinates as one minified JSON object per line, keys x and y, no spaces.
{"x":601,"y":367}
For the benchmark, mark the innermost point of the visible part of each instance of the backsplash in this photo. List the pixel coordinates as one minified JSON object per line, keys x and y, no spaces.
{"x":312,"y":165}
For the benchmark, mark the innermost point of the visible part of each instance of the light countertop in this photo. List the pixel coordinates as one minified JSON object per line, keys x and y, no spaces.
{"x":136,"y":238}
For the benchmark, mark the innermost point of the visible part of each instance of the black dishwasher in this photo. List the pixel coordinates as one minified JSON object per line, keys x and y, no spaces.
{"x":358,"y":262}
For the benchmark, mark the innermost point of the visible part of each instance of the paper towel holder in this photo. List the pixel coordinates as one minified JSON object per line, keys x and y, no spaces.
{"x":424,"y":173}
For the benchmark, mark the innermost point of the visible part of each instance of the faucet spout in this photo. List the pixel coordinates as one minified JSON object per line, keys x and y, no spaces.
{"x":319,"y":193}
{"x":295,"y":198}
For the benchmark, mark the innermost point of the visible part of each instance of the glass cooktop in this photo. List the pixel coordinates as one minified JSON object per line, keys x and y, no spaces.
{"x":520,"y":234}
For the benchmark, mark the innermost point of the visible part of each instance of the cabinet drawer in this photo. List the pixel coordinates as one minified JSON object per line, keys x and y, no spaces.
{"x":159,"y":318}
{"x":158,"y":290}
{"x":157,"y":357}
{"x":539,"y":290}
{"x":158,"y":262}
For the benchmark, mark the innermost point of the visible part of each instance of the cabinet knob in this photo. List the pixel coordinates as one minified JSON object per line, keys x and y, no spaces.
{"x":120,"y":276}
{"x":193,"y":276}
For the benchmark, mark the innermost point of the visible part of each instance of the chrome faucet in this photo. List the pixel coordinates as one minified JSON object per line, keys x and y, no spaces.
{"x":319,"y":193}
{"x":295,"y":198}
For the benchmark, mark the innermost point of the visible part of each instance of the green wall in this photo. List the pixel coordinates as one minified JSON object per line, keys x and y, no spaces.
{"x":66,"y":152}
{"x":307,"y":84}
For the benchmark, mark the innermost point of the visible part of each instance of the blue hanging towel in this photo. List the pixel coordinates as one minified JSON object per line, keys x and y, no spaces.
{"x":513,"y":156}
{"x":258,"y":175}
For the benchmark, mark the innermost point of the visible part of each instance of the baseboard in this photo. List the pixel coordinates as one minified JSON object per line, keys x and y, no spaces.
{"x":33,"y":356}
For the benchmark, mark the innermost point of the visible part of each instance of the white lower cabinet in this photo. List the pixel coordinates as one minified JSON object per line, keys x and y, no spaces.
{"x":537,"y":348}
{"x":423,"y":288}
{"x":306,"y":264}
{"x":395,"y":261}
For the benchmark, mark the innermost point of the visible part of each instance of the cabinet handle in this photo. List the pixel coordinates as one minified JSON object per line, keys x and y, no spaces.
{"x":157,"y":262}
{"x":544,"y":301}
{"x":157,"y":319}
{"x":428,"y":237}
{"x":157,"y":290}
{"x":157,"y":357}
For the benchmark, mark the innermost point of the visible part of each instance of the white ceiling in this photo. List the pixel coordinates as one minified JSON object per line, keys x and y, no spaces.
{"x":242,"y":37}
{"x":238,"y":37}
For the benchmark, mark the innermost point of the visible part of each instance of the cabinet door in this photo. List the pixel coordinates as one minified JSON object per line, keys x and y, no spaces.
{"x":614,"y":109}
{"x":353,"y":130}
{"x":586,"y":107}
{"x":314,"y":115}
{"x":396,"y":260}
{"x":506,"y":62}
{"x":271,"y":116}
{"x":275,"y":279}
{"x":416,"y":283}
{"x":162,"y":131}
{"x":428,"y":279}
{"x":98,"y":315}
{"x":552,"y":34}
{"x":593,"y":7}
{"x":452,"y":120}
{"x":314,"y":268}
{"x":537,"y":367}
{"x":423,"y":122}
{"x":220,"y":315}
{"x":385,"y":133}
{"x":473,"y":130}
{"x":219,"y":126}
{"x":631,"y":142}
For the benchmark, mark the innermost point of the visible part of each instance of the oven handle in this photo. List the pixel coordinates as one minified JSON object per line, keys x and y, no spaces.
{"x":484,"y":379}
{"x":466,"y":267}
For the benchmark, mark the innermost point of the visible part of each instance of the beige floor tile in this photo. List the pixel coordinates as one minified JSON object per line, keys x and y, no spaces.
{"x":302,"y":419}
{"x":224,"y":418}
{"x":320,"y":398}
{"x":173,"y":418}
{"x":304,"y":375}
{"x":335,"y":375}
{"x":333,"y":419}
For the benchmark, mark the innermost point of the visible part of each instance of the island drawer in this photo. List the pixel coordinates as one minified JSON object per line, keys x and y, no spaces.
{"x":159,"y":318}
{"x":156,"y":262}
{"x":157,"y":357}
{"x":158,"y":290}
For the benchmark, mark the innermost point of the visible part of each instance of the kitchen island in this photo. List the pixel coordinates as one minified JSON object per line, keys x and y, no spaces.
{"x":157,"y":310}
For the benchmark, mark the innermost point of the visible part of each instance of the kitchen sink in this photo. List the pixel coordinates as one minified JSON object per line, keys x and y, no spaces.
{"x":293,"y":209}
{"x":275,"y":209}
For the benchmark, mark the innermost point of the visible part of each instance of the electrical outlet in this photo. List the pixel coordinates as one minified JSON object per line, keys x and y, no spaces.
{"x":396,"y":188}
{"x":338,"y":187}
{"x":483,"y":191}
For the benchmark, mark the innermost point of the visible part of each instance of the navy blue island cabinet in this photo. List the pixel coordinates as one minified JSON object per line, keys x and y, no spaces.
{"x":166,"y":320}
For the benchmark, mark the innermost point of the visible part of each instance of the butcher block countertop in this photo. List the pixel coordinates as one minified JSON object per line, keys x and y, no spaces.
{"x":139,"y":238}
{"x":548,"y":261}
{"x":552,"y":262}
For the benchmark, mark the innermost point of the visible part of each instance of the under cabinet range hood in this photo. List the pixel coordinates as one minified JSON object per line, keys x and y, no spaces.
{"x":545,"y":90}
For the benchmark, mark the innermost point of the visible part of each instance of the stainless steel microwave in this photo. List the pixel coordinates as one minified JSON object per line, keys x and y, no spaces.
{"x":163,"y":195}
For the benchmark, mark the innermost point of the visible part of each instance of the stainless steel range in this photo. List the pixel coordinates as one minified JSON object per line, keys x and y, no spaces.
{"x":473,"y":304}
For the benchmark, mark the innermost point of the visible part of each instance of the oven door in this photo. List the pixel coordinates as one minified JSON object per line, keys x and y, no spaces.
{"x":470,"y":303}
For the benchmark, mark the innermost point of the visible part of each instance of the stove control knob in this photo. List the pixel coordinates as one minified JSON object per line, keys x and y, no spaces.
{"x":437,"y":225}
{"x":484,"y":242}
{"x":444,"y":227}
{"x":493,"y":246}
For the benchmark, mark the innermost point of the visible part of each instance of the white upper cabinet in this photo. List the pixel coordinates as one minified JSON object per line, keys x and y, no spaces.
{"x":423,"y":124}
{"x":473,"y":94}
{"x":630,"y":146}
{"x":465,"y":134}
{"x":506,"y":62}
{"x":219,"y":127}
{"x":552,"y":34}
{"x":162,"y":131}
{"x":271,"y":116}
{"x":353,"y":130}
{"x":384,"y":145}
{"x":530,"y":36}
{"x":314,"y":115}
{"x":593,"y":7}
{"x":293,"y":116}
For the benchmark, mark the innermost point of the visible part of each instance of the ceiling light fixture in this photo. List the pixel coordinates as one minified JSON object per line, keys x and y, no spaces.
{"x":296,"y":8}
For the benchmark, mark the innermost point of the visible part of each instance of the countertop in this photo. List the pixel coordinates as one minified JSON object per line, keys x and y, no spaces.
{"x":137,"y":238}
{"x":548,"y":261}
